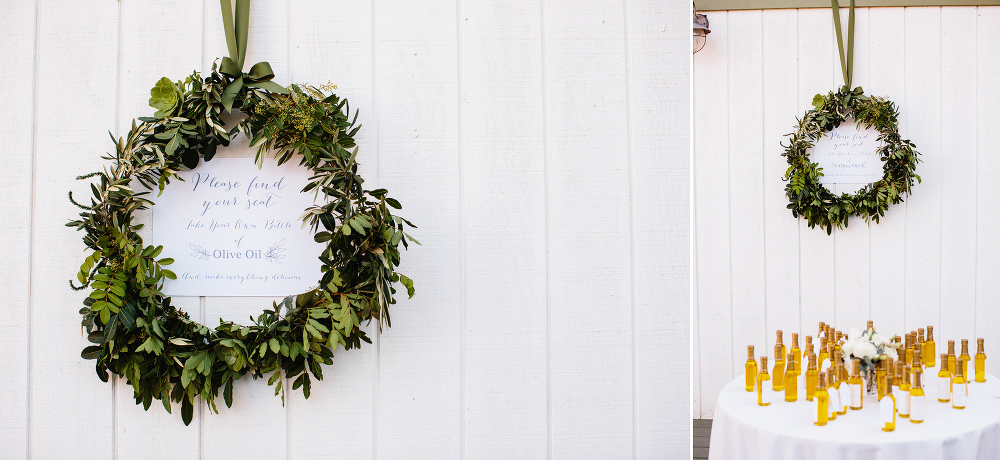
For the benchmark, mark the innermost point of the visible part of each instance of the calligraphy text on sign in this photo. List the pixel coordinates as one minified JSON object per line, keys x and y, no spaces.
{"x":849,"y":155}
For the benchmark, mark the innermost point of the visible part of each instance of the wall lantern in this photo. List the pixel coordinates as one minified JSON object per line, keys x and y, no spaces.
{"x":700,"y":29}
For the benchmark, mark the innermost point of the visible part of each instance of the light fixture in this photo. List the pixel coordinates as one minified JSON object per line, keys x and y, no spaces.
{"x":700,"y":29}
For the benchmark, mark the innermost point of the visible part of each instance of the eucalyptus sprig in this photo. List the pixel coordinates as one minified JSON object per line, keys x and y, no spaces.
{"x":811,"y":200}
{"x":138,"y":335}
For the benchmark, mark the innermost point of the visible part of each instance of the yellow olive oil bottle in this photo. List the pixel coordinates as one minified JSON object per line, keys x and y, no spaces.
{"x":812,"y":377}
{"x":944,"y":381}
{"x":779,"y":368}
{"x":796,"y":353}
{"x":763,"y":394}
{"x":832,"y":393}
{"x":980,"y":363}
{"x":965,"y":358}
{"x":751,"y":369}
{"x":791,"y":380}
{"x":887,"y":406}
{"x":903,"y":400}
{"x":918,"y":405}
{"x":821,"y":404}
{"x":951,"y":357}
{"x":929,"y":348}
{"x":855,"y":384}
{"x":959,"y":389}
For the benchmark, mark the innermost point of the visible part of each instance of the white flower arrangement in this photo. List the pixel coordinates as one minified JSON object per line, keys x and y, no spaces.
{"x":869,"y":347}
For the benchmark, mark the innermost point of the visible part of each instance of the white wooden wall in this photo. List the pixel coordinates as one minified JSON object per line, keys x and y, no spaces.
{"x":542,"y":147}
{"x":934,"y":260}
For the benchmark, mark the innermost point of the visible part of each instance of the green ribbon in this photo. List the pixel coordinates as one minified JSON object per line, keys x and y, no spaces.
{"x":846,"y":63}
{"x":260,"y":74}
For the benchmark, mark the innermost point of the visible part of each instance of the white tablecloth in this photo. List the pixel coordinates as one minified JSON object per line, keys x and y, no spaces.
{"x":742,"y":430}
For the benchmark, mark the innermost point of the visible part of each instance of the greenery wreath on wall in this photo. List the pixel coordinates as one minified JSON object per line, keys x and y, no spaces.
{"x":808,"y":197}
{"x":156,"y":347}
{"x":817,"y":204}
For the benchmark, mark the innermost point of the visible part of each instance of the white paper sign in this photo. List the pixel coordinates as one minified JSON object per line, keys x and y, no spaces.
{"x":765,"y":392}
{"x":845,"y":397}
{"x":944,"y":389}
{"x":887,"y":409}
{"x":903,"y":402}
{"x":233,"y":230}
{"x":834,"y":404}
{"x":917,"y":408}
{"x":961,"y":395}
{"x":848,"y":155}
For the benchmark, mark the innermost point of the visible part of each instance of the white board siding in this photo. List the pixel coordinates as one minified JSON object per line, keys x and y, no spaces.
{"x":931,"y":260}
{"x":502,"y":128}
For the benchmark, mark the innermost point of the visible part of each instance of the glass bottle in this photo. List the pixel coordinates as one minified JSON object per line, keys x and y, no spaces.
{"x":843,"y":387}
{"x":959,"y":389}
{"x":951,"y":357}
{"x":944,"y":381}
{"x":833,"y":393}
{"x":823,"y":354}
{"x":855,"y":384}
{"x":871,"y":326}
{"x":965,"y":358}
{"x":880,"y":371}
{"x":903,"y":400}
{"x":812,"y":377}
{"x":784,"y":351}
{"x":909,"y":348}
{"x":763,"y":394}
{"x":980,"y":363}
{"x":796,"y":353}
{"x":887,"y":406}
{"x":809,"y":346}
{"x":822,"y":330}
{"x":821,"y":409}
{"x":779,"y":369}
{"x":918,"y":406}
{"x":929,"y":348}
{"x":751,"y":369}
{"x":791,"y":380}
{"x":918,"y":360}
{"x":915,"y":366}
{"x":920,"y":340}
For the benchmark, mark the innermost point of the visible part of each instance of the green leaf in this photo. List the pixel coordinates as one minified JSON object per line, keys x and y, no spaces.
{"x":91,"y":352}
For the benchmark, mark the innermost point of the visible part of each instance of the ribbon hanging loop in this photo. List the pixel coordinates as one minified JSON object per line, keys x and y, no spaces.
{"x":237,"y":28}
{"x":846,"y":61}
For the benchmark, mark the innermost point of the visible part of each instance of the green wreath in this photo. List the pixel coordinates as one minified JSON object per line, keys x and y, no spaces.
{"x":157,"y":348}
{"x":814,"y":202}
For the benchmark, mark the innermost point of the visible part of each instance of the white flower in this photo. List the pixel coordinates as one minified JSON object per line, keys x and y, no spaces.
{"x":865,"y":350}
{"x":854,"y":334}
{"x":879,"y":341}
{"x":848,"y":347}
{"x":891,"y":352}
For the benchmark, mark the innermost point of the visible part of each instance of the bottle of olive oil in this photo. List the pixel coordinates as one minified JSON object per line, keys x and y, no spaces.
{"x":821,"y":361}
{"x":779,"y":342}
{"x":843,"y":387}
{"x":855,"y":384}
{"x":916,"y":365}
{"x":959,"y":389}
{"x":796,"y":353}
{"x":887,"y":406}
{"x":965,"y":358}
{"x":809,"y":346}
{"x":763,"y":394}
{"x":880,"y":371}
{"x":918,"y":405}
{"x":929,"y":348}
{"x":920,"y":340}
{"x":791,"y":380}
{"x":903,"y":401}
{"x":869,"y":328}
{"x":779,"y":368}
{"x":909,"y":348}
{"x":833,"y":393}
{"x":821,"y":404}
{"x":812,"y":378}
{"x":944,"y":381}
{"x":751,"y":369}
{"x":980,"y":363}
{"x":951,"y":357}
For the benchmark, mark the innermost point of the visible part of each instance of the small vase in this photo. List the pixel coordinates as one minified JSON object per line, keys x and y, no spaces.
{"x":871,"y":382}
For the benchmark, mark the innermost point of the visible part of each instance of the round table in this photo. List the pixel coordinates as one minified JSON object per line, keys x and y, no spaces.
{"x":742,"y":430}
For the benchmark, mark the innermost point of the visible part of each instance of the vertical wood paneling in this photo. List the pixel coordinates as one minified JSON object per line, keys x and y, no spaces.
{"x":920,"y":121}
{"x":420,"y":395}
{"x":958,"y":197}
{"x":323,"y":38}
{"x":746,"y":181}
{"x":781,"y":231}
{"x":887,"y":238}
{"x":503,"y":190}
{"x":72,"y":413}
{"x":142,"y":24}
{"x":660,"y":117}
{"x":590,"y":265}
{"x":817,"y":263}
{"x":711,"y":215}
{"x":930,"y":259}
{"x":16,"y":123}
{"x":987,"y":170}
